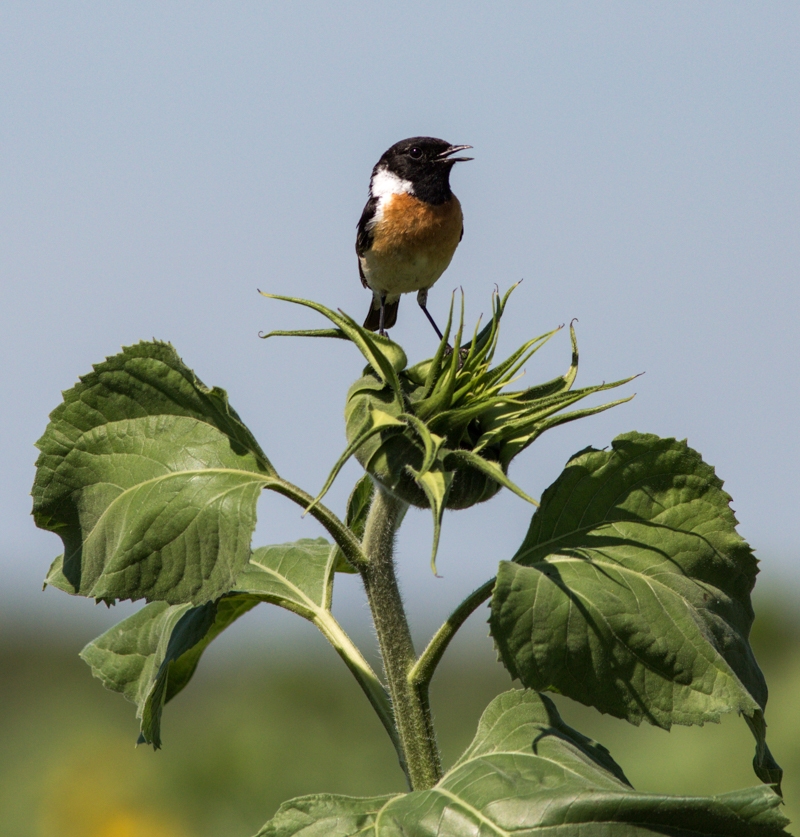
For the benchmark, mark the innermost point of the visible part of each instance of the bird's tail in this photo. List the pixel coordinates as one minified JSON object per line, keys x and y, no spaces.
{"x":373,"y":321}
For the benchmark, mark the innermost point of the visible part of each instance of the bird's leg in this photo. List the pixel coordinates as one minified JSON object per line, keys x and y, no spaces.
{"x":382,"y":318}
{"x":422,"y":300}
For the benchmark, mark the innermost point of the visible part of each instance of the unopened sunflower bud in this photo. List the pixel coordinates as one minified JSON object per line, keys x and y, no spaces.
{"x":443,"y":433}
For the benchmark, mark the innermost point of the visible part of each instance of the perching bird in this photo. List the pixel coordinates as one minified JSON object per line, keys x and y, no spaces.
{"x":410,"y":227}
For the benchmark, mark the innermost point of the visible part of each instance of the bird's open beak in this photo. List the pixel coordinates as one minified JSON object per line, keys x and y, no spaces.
{"x":445,"y":157}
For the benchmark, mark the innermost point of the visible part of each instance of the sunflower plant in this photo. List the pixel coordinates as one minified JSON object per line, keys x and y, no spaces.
{"x":630,"y":591}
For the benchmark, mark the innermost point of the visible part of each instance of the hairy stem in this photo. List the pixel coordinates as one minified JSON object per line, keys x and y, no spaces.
{"x":423,"y":669}
{"x":410,"y":704}
{"x":366,"y":677}
{"x":330,"y":628}
{"x":344,"y":538}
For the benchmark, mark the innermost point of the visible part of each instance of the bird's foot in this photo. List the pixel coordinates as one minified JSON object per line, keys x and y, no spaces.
{"x":462,"y":354}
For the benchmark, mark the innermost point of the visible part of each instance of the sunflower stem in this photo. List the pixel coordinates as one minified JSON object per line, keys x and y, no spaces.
{"x":412,"y":713}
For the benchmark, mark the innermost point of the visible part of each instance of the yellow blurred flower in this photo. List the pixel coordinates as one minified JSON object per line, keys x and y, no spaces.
{"x":85,"y":800}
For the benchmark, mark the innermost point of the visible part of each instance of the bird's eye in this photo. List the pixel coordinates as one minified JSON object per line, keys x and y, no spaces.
{"x":415,"y":152}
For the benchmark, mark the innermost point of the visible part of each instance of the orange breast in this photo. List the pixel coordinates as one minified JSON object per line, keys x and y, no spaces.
{"x":412,"y":245}
{"x":408,"y":223}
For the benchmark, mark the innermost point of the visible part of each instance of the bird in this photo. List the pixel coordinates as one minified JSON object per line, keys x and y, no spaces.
{"x":410,"y":226}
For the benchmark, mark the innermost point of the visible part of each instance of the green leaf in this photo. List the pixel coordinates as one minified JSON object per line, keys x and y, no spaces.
{"x":356,"y":519}
{"x":326,"y":815}
{"x":436,"y":484}
{"x":528,"y":773}
{"x":151,"y":480}
{"x":151,"y":656}
{"x":764,"y":764}
{"x":55,"y":578}
{"x":296,"y":575}
{"x":358,"y":504}
{"x":631,"y":590}
{"x":490,"y":469}
{"x":378,"y":424}
{"x":385,"y":356}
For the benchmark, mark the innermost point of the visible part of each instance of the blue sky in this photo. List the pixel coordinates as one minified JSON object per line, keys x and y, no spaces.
{"x":635,"y":163}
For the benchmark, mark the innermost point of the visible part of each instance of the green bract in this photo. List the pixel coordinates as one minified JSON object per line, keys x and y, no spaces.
{"x":441,"y":434}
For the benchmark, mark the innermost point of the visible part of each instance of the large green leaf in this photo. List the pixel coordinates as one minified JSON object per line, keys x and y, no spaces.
{"x":150,"y":656}
{"x":631,"y":591}
{"x":528,"y":773}
{"x":153,"y":654}
{"x":151,"y":480}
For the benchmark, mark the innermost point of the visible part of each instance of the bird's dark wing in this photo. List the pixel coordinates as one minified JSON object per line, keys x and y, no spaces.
{"x":364,"y":234}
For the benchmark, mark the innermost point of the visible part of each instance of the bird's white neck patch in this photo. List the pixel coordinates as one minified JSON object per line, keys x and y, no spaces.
{"x":384,"y":184}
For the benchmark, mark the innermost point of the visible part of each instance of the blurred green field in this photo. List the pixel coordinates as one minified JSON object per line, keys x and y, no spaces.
{"x":243,"y":738}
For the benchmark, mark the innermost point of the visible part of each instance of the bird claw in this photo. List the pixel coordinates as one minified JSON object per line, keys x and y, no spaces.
{"x":462,"y":354}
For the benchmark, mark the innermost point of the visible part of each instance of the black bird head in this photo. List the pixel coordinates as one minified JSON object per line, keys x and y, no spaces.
{"x":425,"y":163}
